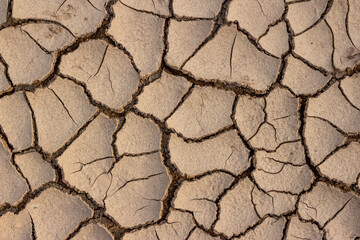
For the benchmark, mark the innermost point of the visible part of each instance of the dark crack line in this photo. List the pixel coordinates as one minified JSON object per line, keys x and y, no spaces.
{"x":347,"y":24}
{"x":101,"y":63}
{"x":337,"y":213}
{"x":63,"y":104}
{"x":231,"y":55}
{"x":34,"y":40}
{"x":273,"y":173}
{"x":93,"y":5}
{"x":347,"y":99}
{"x":88,"y":163}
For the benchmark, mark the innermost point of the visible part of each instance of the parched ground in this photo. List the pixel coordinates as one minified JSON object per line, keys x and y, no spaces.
{"x":180,"y":119}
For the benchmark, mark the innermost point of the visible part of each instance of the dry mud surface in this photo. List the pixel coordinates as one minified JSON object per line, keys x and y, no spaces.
{"x":180,"y":119}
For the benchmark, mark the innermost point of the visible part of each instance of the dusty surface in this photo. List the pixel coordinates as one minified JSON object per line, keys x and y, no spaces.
{"x":179,"y":119}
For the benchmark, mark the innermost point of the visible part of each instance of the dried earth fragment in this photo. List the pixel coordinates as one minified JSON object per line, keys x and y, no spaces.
{"x":35,"y":169}
{"x":342,"y":114}
{"x":184,"y":38}
{"x":56,"y":214}
{"x":223,"y":152}
{"x":276,"y":40}
{"x":237,"y":211}
{"x":60,"y":110}
{"x":197,"y":9}
{"x":199,"y":197}
{"x":160,"y":97}
{"x":354,"y":22}
{"x":321,"y":139}
{"x":4,"y":82}
{"x":27,"y":68}
{"x":343,"y":165}
{"x":106,"y":72}
{"x":302,"y":79}
{"x":93,"y":231}
{"x":137,"y":135}
{"x":255,"y":15}
{"x":135,"y":197}
{"x":86,"y":161}
{"x":79,"y":16}
{"x":141,"y":34}
{"x":204,"y":112}
{"x":9,"y":176}
{"x":232,"y":58}
{"x":16,"y":121}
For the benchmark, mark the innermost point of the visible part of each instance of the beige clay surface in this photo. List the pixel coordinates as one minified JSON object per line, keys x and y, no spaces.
{"x":179,"y":119}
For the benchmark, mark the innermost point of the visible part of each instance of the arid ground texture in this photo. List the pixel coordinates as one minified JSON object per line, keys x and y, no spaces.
{"x":180,"y":119}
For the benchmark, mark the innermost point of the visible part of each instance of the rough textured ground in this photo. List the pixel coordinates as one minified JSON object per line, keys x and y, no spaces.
{"x":179,"y":119}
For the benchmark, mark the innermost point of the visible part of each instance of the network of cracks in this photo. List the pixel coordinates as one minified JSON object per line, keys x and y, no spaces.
{"x":179,"y":119}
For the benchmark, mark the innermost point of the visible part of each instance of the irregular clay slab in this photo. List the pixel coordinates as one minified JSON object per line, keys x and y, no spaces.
{"x":302,"y":230}
{"x":4,"y":83}
{"x":351,"y":89}
{"x":3,"y":12}
{"x":137,"y":135}
{"x":236,"y":210}
{"x":249,"y":114}
{"x":93,"y":231}
{"x":135,"y":197}
{"x":176,"y":227}
{"x":10,"y":177}
{"x":200,"y":234}
{"x":79,"y":16}
{"x":141,"y":34}
{"x":274,"y":173}
{"x":276,"y":40}
{"x":255,"y":15}
{"x":321,"y":139}
{"x":60,"y":110}
{"x":160,"y":97}
{"x":342,"y":114}
{"x":346,"y":54}
{"x":302,"y":79}
{"x":353,"y":22}
{"x":160,"y":7}
{"x":105,"y":70}
{"x":16,"y":226}
{"x":344,"y":165}
{"x":35,"y":169}
{"x":304,"y":14}
{"x":184,"y":37}
{"x":226,"y":152}
{"x":197,"y":9}
{"x":270,"y":228}
{"x":199,"y":197}
{"x":346,"y":223}
{"x":87,"y":160}
{"x":323,"y":203}
{"x":273,"y":202}
{"x":16,"y":121}
{"x":281,"y":123}
{"x":232,"y":58}
{"x":315,"y":46}
{"x":50,"y":36}
{"x":55,"y":214}
{"x":205,"y":111}
{"x":24,"y":68}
